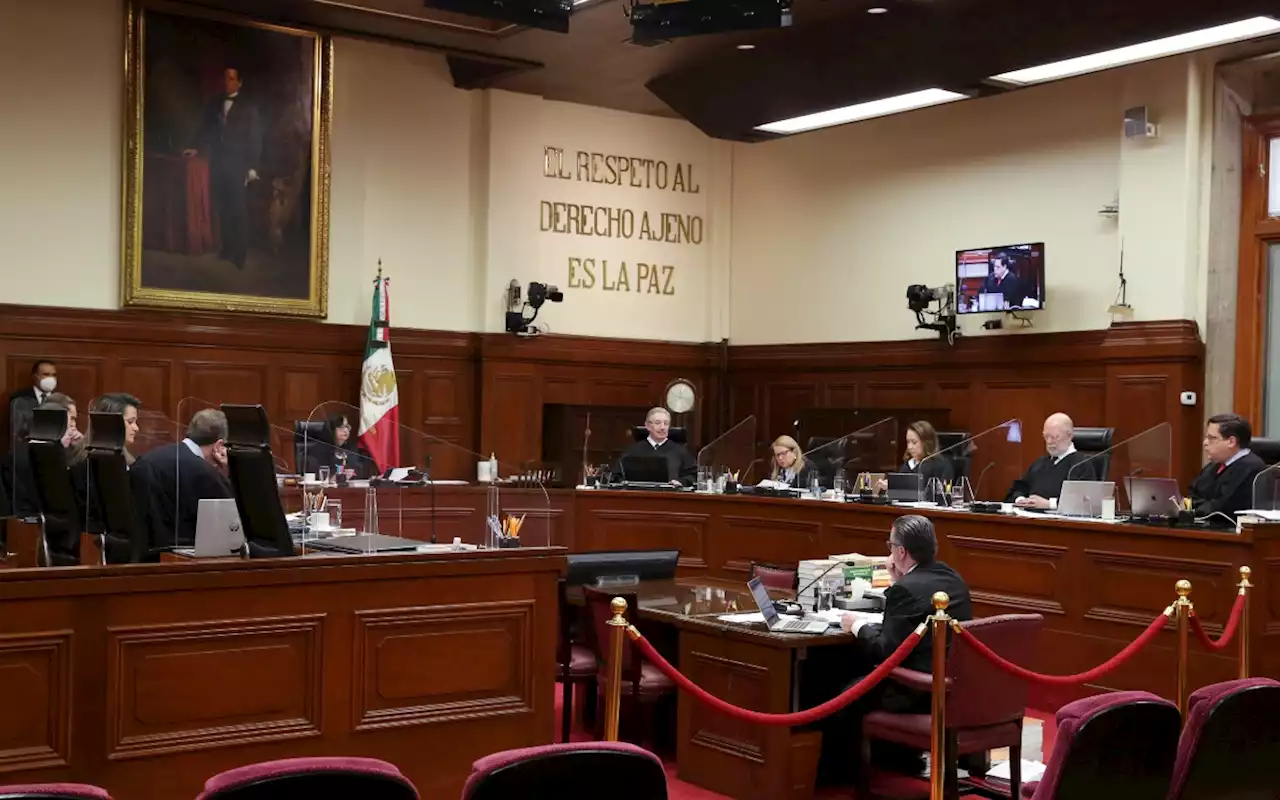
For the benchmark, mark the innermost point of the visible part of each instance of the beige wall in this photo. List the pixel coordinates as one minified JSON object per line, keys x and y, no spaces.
{"x":831,"y":227}
{"x":811,"y":238}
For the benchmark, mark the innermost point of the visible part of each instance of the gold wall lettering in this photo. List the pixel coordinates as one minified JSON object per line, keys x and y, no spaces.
{"x":587,"y":273}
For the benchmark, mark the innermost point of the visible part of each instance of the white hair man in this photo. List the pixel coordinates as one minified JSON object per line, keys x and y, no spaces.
{"x":1042,"y":483}
{"x":641,"y":460}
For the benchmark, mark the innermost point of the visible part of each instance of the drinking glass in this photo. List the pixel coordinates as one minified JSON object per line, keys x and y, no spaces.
{"x":957,"y":493}
{"x":815,"y":486}
{"x":334,"y":507}
{"x":322,"y":475}
{"x":826,"y":599}
{"x":840,"y":486}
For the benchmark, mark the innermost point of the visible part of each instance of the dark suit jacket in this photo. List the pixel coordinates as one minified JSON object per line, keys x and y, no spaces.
{"x":173,"y":481}
{"x":322,"y":454}
{"x":801,"y":479}
{"x":939,"y":467}
{"x":906,"y":604}
{"x":1228,"y":491}
{"x":1013,"y":288}
{"x":1045,"y":478}
{"x":236,"y":147}
{"x":26,"y":393}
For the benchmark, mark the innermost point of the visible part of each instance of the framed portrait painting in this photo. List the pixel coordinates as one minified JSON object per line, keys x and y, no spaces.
{"x":226,"y":201}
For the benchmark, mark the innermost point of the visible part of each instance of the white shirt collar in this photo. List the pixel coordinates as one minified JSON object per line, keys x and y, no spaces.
{"x":193,"y":447}
{"x":911,"y":462}
{"x":656,"y":445}
{"x":1241,"y":453}
{"x":1070,"y":449}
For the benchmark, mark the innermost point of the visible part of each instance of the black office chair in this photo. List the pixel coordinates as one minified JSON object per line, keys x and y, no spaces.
{"x":60,"y":524}
{"x":1092,"y":442}
{"x":306,"y":433}
{"x":1266,"y":449}
{"x":677,"y":435}
{"x":123,"y":537}
{"x":958,"y":456}
{"x":253,"y":481}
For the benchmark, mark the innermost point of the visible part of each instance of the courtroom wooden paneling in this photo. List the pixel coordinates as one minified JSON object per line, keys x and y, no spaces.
{"x":1098,"y":585}
{"x":1128,"y":376}
{"x":148,"y":679}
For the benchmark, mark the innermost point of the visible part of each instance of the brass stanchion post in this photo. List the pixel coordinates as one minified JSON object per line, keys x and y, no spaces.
{"x":613,"y":691}
{"x":938,"y":741}
{"x":1243,"y":633}
{"x":1183,"y":607}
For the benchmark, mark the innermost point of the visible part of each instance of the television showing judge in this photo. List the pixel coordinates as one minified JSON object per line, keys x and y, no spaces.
{"x":994,"y":279}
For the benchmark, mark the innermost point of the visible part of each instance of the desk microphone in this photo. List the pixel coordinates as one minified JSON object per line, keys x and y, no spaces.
{"x":782,"y":608}
{"x":747,"y":472}
{"x":982,"y":475}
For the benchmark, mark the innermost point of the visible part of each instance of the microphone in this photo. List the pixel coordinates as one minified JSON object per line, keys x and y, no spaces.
{"x":431,"y":480}
{"x":782,"y":608}
{"x":982,"y":475}
{"x":586,"y":438}
{"x":747,"y":472}
{"x":1137,"y":472}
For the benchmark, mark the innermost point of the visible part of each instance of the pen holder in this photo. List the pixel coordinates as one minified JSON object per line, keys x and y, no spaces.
{"x":730,"y":487}
{"x":509,"y":541}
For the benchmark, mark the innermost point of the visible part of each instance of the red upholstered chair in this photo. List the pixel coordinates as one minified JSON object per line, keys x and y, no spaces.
{"x":575,"y":666}
{"x":642,"y":683}
{"x":53,"y":791}
{"x":580,"y":771}
{"x":308,"y":778}
{"x":775,"y":577}
{"x":1230,"y":745}
{"x":985,"y":705}
{"x":1120,"y":744}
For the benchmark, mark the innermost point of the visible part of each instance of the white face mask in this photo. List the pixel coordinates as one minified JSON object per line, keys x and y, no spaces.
{"x":48,"y":384}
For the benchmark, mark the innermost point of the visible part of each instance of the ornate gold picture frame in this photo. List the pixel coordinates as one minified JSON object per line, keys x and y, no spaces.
{"x":226,"y":163}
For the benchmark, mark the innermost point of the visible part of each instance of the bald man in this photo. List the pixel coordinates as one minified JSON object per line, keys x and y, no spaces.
{"x":1041,"y":485}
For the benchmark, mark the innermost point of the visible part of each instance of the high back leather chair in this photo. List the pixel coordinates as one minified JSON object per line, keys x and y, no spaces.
{"x":1092,"y":441}
{"x":642,"y":683}
{"x":1230,"y":745}
{"x":579,"y":771}
{"x":1266,"y":449}
{"x":306,"y":435}
{"x":253,"y":481}
{"x":678,"y":435}
{"x":60,"y":523}
{"x":307,"y":778}
{"x":774,"y":576}
{"x":985,"y":705}
{"x":958,"y":456}
{"x":123,"y":538}
{"x":1118,"y":744}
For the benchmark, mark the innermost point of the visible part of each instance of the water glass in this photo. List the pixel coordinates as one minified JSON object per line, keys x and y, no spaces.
{"x":826,"y":599}
{"x":322,"y":475}
{"x":704,"y":479}
{"x":815,"y":486}
{"x":957,"y":493}
{"x":334,"y":508}
{"x":840,"y":486}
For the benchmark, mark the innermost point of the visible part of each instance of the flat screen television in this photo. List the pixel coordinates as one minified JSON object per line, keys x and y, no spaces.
{"x":997,"y":279}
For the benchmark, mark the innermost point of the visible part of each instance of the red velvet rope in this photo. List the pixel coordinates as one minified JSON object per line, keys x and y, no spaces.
{"x":793,"y":719}
{"x":1152,"y":631}
{"x":1233,"y":623}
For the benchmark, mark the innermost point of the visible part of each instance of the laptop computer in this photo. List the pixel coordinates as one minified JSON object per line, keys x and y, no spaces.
{"x":905,"y":487}
{"x":366,"y":543}
{"x":218,"y":529}
{"x":641,"y":469}
{"x":1084,"y":498}
{"x":774,"y":620}
{"x":1153,"y":497}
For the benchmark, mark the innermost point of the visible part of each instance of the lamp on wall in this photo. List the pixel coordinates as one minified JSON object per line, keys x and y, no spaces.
{"x":535,"y":296}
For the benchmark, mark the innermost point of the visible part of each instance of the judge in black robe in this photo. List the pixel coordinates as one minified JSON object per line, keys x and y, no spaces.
{"x":1043,"y":480}
{"x":682,"y":468}
{"x":1225,"y":485}
{"x":790,"y":466}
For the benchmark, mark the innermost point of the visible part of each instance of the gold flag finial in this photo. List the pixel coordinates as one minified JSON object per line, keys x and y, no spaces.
{"x":379,"y":269}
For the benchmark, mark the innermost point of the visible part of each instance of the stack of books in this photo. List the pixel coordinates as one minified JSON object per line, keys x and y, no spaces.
{"x":807,"y":576}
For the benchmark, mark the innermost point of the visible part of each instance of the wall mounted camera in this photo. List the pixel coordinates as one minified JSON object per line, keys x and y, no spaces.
{"x":536,"y":295}
{"x":921,"y":298}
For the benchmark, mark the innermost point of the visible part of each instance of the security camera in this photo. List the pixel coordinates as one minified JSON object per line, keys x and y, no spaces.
{"x":540,"y":293}
{"x":919,"y":300}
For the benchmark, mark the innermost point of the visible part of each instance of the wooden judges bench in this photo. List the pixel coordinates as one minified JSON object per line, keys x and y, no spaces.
{"x":148,"y":679}
{"x":1097,"y":584}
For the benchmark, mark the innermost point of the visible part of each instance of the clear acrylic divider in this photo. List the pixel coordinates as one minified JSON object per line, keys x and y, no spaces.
{"x":728,"y":458}
{"x":1139,"y":466}
{"x":411,"y":500}
{"x":1266,"y":490}
{"x":15,"y":476}
{"x":998,"y":448}
{"x":846,"y":463}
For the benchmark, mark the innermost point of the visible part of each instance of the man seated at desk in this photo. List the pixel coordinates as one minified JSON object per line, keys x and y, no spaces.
{"x":176,"y":477}
{"x":1042,"y":483}
{"x":681,"y":466}
{"x":917,"y":575}
{"x":1225,"y":485}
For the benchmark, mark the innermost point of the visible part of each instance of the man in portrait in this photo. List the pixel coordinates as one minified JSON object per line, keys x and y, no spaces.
{"x":231,"y":138}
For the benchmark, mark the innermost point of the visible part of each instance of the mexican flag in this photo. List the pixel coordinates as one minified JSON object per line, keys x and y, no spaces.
{"x":379,"y":400}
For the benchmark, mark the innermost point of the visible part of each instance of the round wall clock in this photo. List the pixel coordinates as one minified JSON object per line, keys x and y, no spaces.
{"x":680,"y":396}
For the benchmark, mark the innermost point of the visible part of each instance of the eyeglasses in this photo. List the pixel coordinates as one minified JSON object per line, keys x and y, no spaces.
{"x":892,"y":544}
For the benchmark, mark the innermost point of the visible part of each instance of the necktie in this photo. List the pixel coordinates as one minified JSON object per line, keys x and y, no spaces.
{"x":1221,"y":467}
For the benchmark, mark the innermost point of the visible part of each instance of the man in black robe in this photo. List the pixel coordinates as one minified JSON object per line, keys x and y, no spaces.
{"x":1042,"y":483}
{"x":1225,"y":485}
{"x":681,"y":466}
